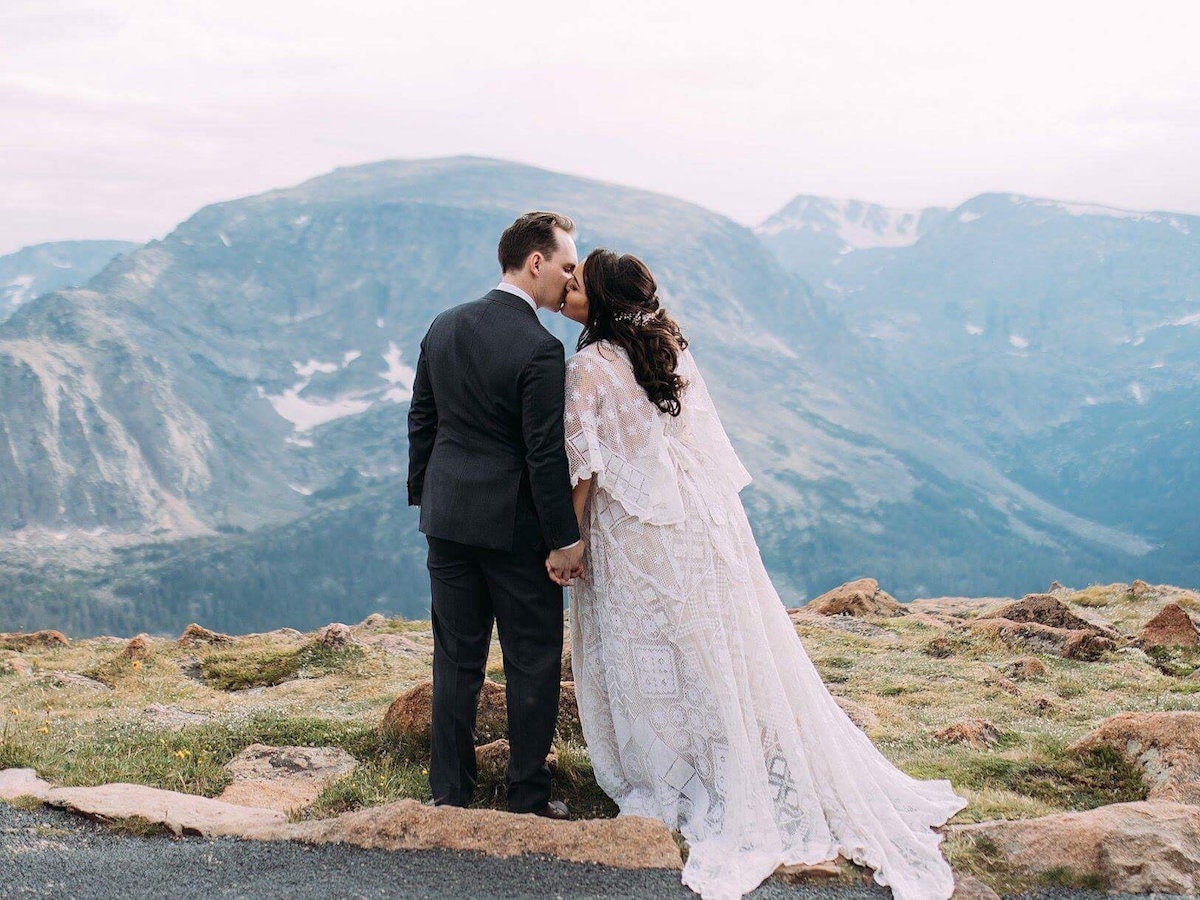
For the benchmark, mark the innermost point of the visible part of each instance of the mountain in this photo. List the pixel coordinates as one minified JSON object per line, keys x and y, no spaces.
{"x":36,"y":270}
{"x":1060,"y":341}
{"x":226,"y":409}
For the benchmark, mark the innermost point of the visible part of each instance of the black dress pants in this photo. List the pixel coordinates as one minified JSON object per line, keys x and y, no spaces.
{"x":471,"y":587}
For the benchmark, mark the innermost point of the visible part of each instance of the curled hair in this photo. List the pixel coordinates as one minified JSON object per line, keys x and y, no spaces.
{"x":623,"y":308}
{"x":534,"y":232}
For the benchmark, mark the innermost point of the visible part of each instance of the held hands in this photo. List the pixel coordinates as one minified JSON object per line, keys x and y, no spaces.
{"x":563,"y":566}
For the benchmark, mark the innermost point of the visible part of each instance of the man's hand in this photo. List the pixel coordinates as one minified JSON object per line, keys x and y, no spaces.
{"x":563,"y":566}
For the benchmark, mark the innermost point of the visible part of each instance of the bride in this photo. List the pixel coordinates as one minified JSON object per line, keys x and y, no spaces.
{"x":699,"y":704}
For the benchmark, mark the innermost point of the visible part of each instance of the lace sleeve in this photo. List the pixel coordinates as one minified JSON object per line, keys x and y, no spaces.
{"x":614,"y":434}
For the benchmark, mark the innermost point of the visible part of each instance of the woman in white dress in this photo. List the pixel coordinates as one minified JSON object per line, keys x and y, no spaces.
{"x":699,"y":704}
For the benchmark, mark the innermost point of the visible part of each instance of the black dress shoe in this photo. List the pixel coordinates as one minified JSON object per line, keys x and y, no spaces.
{"x":555,"y":809}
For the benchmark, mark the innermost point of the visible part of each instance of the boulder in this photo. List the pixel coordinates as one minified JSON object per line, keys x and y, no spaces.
{"x":491,"y":760}
{"x":1045,"y":609}
{"x":968,"y":887}
{"x":803,"y":873}
{"x":335,"y":635}
{"x":284,"y":778}
{"x":20,"y":665}
{"x":628,"y":842}
{"x":1172,"y":627}
{"x":856,"y":598}
{"x":17,"y":640}
{"x":1025,"y":668}
{"x":1141,"y":590}
{"x":196,"y":634}
{"x":978,"y":733}
{"x":1138,"y":847}
{"x":409,"y":716}
{"x":374,"y":620}
{"x":73,"y":679}
{"x":1164,"y":745}
{"x":1074,"y":644}
{"x":138,"y":648}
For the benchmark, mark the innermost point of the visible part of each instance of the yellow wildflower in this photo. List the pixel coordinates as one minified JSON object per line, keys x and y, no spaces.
{"x":43,"y":730}
{"x":137,"y":663}
{"x":15,"y":711}
{"x":183,"y":753}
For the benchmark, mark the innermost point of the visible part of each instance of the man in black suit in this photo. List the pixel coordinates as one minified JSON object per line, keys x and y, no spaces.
{"x":488,"y":468}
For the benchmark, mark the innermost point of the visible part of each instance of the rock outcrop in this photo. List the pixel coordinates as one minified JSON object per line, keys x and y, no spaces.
{"x":856,"y":598}
{"x":977,"y":733}
{"x":335,"y":635}
{"x":197,"y":634}
{"x":17,"y":640}
{"x":1082,"y":644}
{"x":1046,"y":609}
{"x":284,"y":778}
{"x":1172,"y":627}
{"x":1134,"y":847}
{"x":138,"y":648}
{"x":1025,"y":668}
{"x":1164,"y":745}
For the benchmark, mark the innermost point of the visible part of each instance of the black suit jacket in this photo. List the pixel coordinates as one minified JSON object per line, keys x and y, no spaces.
{"x":486,"y":461}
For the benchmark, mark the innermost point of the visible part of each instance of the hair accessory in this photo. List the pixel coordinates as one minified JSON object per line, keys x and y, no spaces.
{"x":637,"y":318}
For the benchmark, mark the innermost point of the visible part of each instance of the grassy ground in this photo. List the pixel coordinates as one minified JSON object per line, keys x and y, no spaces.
{"x":282,"y":688}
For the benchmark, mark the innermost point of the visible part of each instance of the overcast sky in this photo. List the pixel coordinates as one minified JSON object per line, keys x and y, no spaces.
{"x":120,"y":118}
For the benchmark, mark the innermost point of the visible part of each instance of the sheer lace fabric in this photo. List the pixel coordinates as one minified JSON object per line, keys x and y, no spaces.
{"x":699,"y":704}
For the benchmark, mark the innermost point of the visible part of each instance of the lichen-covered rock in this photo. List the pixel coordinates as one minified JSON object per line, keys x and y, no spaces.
{"x":975,"y":732}
{"x":410,"y":715}
{"x":1172,"y":627}
{"x":335,"y":635}
{"x":1073,"y":644}
{"x":491,"y":760}
{"x":1133,"y":847}
{"x":284,"y":778}
{"x":197,"y":634}
{"x":1025,"y":668}
{"x":856,"y":598}
{"x":1087,"y":646}
{"x":1164,"y":745}
{"x":1046,"y":609}
{"x":17,"y":640}
{"x":138,"y":648}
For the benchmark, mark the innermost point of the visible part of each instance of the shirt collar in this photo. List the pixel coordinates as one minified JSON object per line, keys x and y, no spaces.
{"x":513,"y":289}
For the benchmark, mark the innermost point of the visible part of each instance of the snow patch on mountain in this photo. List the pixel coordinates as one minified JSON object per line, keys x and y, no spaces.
{"x":306,"y":414}
{"x":856,"y":224}
{"x":398,"y":375}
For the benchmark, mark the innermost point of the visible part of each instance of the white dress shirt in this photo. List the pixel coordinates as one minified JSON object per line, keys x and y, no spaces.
{"x":513,"y":289}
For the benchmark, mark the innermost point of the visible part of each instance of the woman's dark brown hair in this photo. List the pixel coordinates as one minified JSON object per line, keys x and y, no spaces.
{"x":623,"y":308}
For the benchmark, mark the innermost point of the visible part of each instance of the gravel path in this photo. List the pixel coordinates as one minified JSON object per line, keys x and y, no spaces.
{"x":50,"y":853}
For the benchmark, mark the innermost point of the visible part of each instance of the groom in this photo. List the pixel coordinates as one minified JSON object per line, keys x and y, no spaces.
{"x":488,"y":468}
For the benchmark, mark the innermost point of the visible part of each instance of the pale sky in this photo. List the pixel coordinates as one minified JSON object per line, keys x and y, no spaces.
{"x":119,"y":118}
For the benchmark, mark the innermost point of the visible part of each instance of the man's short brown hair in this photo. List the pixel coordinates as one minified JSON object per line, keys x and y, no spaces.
{"x":533,"y":232}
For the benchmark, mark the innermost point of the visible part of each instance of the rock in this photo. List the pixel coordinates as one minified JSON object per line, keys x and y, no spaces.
{"x":1164,"y":745}
{"x":196,"y":634}
{"x":856,"y":598}
{"x":74,"y":679}
{"x":978,"y":733}
{"x":171,"y":716}
{"x":16,"y":640}
{"x":568,"y":674}
{"x":939,"y":648}
{"x":1141,"y":590}
{"x":1048,"y":610}
{"x":1042,"y":638}
{"x":1055,"y":586}
{"x":284,"y":778}
{"x":842,"y":622}
{"x":374,"y":620}
{"x":1086,"y":646}
{"x":138,"y":648}
{"x":955,"y":607}
{"x":335,"y":635}
{"x":21,"y":666}
{"x":491,"y":760}
{"x":1044,"y":704}
{"x":1134,"y":847}
{"x":802,"y":873}
{"x":1172,"y":627}
{"x":409,"y":716}
{"x":181,"y":813}
{"x":628,"y":842}
{"x":968,"y":887}
{"x":191,"y":668}
{"x":395,"y":645}
{"x":1025,"y":668}
{"x":860,"y":715}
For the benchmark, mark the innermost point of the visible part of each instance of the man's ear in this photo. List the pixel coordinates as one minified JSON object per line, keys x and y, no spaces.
{"x":535,"y":263}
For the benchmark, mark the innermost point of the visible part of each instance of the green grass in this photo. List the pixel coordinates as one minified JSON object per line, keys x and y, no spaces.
{"x":237,"y":670}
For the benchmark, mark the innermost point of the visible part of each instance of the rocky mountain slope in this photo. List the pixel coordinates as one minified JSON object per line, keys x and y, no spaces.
{"x":228,"y":383}
{"x":33,"y":271}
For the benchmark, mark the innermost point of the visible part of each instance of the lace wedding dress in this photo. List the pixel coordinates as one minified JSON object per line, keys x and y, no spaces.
{"x":699,"y":704}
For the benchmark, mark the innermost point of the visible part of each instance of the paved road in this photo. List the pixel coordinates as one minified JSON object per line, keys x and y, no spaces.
{"x":49,"y":853}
